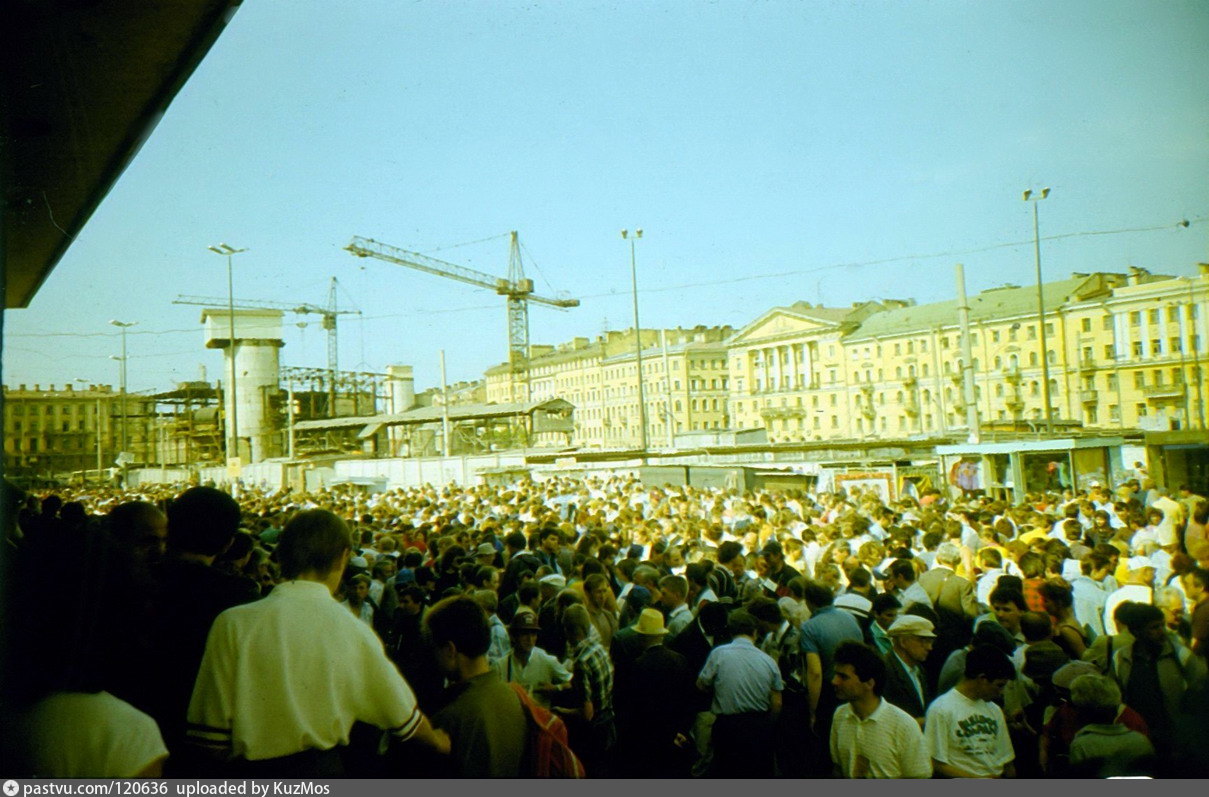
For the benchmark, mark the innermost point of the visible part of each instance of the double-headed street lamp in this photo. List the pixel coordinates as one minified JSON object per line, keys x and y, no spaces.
{"x":228,"y":251}
{"x":625,"y":234}
{"x":1029,"y":196}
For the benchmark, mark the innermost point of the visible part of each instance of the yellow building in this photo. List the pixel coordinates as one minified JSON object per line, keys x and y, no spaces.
{"x":685,"y":384}
{"x":788,"y":371}
{"x":54,"y":432}
{"x":1123,"y":353}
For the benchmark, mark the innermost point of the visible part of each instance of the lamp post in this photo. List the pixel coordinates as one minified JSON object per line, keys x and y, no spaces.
{"x":123,"y":326}
{"x":625,"y":234}
{"x":1030,"y":196}
{"x":228,"y":251}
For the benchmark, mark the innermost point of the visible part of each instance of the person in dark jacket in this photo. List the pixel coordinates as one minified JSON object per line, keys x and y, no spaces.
{"x":906,"y":682}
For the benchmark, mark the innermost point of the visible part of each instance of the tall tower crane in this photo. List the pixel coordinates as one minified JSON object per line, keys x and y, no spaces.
{"x":517,"y":289}
{"x":328,"y":314}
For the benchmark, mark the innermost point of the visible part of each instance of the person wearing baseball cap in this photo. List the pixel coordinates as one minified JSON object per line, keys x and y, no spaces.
{"x":906,"y":686}
{"x":528,"y":665}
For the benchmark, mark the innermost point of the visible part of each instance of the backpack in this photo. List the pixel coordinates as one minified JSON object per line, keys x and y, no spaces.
{"x":547,"y":754}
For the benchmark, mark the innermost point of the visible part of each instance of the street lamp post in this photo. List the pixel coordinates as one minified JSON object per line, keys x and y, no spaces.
{"x":625,"y":234}
{"x":123,"y":326}
{"x":228,"y":251}
{"x":1029,"y":196}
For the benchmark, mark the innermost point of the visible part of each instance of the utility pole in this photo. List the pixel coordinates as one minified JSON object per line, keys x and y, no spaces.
{"x":1029,"y":196}
{"x":668,"y":417}
{"x":967,"y":357}
{"x":625,"y":234}
{"x":444,"y":409}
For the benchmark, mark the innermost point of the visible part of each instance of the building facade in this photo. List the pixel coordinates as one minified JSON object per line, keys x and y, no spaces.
{"x":1124,"y":351}
{"x":53,"y":432}
{"x":685,"y":384}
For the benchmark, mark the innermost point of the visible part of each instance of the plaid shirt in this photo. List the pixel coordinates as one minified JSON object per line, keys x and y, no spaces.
{"x":1032,"y":595}
{"x":593,"y":675}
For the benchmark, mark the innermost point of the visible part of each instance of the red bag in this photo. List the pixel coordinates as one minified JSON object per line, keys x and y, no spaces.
{"x":547,"y":751}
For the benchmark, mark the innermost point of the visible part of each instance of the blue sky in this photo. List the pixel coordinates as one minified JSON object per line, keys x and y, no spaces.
{"x":767,"y":149}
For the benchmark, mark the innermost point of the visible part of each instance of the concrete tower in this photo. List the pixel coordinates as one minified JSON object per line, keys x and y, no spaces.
{"x":400,"y":397}
{"x":257,"y":339}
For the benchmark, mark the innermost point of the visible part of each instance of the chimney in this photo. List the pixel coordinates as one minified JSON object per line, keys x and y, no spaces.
{"x":1203,"y":268}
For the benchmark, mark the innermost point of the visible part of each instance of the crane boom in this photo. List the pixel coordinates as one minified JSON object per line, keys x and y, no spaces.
{"x":519,"y":288}
{"x":255,"y":304}
{"x":515,"y":288}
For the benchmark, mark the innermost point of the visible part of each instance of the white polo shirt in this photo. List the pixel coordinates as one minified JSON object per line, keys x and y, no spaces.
{"x":293,"y":672}
{"x":886,"y":744}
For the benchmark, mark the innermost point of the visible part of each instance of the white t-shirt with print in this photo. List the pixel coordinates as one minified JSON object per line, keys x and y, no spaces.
{"x":971,"y":735}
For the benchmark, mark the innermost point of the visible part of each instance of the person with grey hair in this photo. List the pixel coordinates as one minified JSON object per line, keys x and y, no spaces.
{"x":1104,"y":748}
{"x":955,"y":601}
{"x":1170,"y":601}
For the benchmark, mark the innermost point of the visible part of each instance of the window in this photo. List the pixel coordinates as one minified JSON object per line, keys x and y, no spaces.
{"x":1139,"y":379}
{"x":1175,"y":345}
{"x":1156,"y":347}
{"x":1114,"y":413}
{"x":1031,"y":332}
{"x":1135,"y":318}
{"x":1158,"y":378}
{"x":1085,"y":325}
{"x":1113,"y":383}
{"x":1152,"y":316}
{"x":1049,"y":328}
{"x":898,"y":348}
{"x":1137,"y":348}
{"x":1141,"y":410}
{"x":1106,"y":323}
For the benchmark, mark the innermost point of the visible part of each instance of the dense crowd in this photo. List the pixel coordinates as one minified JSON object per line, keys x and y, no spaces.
{"x":653,"y":631}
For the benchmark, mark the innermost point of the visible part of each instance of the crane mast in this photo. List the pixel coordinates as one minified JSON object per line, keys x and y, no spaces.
{"x":516,"y":288}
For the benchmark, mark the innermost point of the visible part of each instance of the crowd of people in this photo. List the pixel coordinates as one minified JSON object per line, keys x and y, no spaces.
{"x":675,"y":631}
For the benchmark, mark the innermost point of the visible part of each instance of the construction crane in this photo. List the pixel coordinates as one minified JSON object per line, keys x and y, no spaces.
{"x":517,"y":289}
{"x":328,"y":314}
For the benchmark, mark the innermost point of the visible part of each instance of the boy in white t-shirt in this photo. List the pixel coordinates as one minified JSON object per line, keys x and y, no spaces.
{"x":967,"y":734}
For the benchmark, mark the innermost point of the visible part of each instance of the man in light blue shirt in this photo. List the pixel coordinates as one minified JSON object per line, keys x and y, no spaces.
{"x":747,"y":687}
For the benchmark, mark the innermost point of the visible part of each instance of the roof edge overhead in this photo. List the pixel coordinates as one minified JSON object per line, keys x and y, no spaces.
{"x":84,"y":84}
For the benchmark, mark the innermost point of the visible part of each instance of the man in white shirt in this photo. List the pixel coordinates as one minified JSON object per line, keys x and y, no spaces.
{"x":1138,"y":587}
{"x":244,"y":712}
{"x":871,"y":737}
{"x":528,"y":665}
{"x":673,"y":592}
{"x":967,"y":734}
{"x":1088,"y":592}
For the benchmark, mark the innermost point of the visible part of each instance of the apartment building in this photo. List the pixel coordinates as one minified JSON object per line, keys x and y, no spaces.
{"x":685,"y":384}
{"x":55,"y":431}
